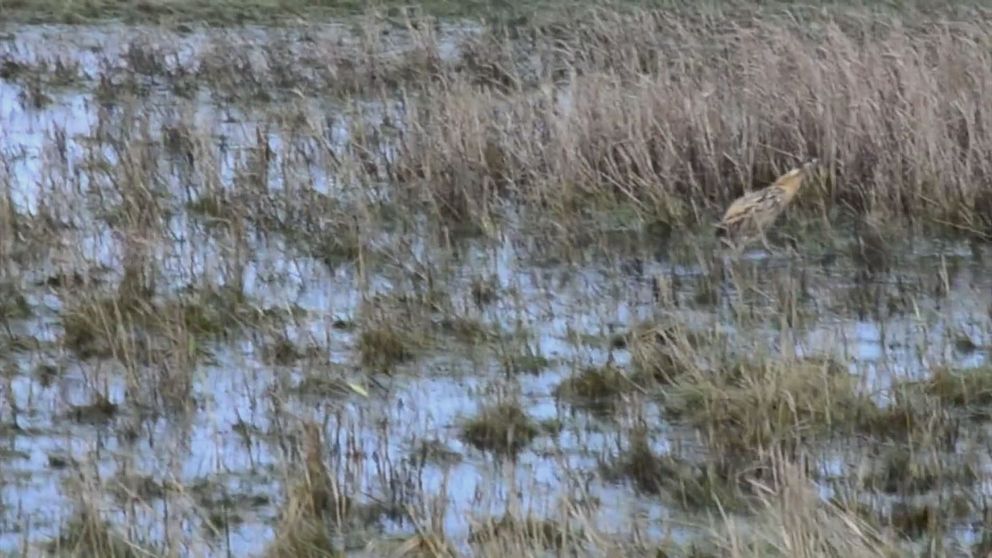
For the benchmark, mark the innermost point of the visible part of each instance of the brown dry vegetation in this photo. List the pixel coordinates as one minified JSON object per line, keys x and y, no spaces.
{"x":678,"y":115}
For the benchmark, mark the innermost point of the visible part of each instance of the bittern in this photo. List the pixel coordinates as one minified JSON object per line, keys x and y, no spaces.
{"x":751,"y":214}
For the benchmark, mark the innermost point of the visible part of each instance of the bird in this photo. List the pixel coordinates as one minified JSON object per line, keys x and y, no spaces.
{"x":750,"y":215}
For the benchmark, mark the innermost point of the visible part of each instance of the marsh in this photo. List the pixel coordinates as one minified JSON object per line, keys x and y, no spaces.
{"x":446,"y":285}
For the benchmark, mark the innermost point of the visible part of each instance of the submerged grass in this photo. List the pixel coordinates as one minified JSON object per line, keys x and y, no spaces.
{"x":118,"y":325}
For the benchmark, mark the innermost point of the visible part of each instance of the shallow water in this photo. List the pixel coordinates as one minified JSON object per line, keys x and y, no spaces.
{"x":569,"y":309}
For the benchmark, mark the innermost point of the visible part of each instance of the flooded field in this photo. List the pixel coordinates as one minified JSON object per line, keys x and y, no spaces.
{"x":318,"y":292}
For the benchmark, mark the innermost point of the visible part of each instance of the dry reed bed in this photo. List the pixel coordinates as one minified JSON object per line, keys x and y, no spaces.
{"x":679,"y":116}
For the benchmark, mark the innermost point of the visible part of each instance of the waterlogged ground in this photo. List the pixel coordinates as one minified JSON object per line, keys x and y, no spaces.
{"x":180,"y":302}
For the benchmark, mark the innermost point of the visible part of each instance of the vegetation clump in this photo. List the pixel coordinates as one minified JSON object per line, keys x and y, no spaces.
{"x":437,"y":452}
{"x":100,"y":411}
{"x":87,"y":534}
{"x":223,"y":507}
{"x":117,"y":325}
{"x":762,"y":405}
{"x":929,"y":412}
{"x":90,"y":327}
{"x":383,"y":347}
{"x":903,"y":471}
{"x":692,"y":486}
{"x":526,"y":363}
{"x":283,"y":351}
{"x":503,"y":429}
{"x":595,"y":389}
{"x":658,"y":354}
{"x":533,"y":532}
{"x":300,"y":536}
{"x":13,"y":304}
{"x":321,"y":386}
{"x":970,"y":388}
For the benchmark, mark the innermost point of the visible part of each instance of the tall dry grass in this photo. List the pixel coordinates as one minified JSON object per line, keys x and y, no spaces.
{"x":792,"y":520}
{"x":677,"y":113}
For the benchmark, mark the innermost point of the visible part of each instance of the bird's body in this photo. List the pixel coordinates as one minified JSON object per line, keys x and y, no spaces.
{"x":750,"y":215}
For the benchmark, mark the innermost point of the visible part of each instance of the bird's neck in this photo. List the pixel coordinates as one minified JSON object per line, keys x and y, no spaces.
{"x":791,"y":184}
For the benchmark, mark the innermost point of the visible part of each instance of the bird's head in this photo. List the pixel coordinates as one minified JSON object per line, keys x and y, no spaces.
{"x":794,"y":178}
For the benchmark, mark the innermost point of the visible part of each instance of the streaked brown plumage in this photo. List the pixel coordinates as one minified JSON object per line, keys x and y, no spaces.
{"x":751,"y":214}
